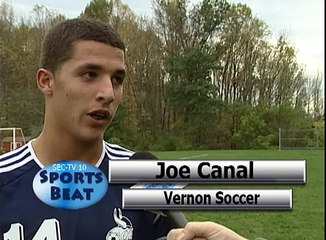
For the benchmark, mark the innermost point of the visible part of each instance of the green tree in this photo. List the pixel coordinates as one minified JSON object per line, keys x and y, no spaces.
{"x":98,"y":9}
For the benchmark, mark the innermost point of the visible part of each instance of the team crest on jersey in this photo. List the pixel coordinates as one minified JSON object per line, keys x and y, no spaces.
{"x":124,"y":229}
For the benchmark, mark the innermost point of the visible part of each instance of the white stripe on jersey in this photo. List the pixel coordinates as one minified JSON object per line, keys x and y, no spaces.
{"x":122,"y":153}
{"x":115,"y":157}
{"x":12,"y":153}
{"x":16,"y":165}
{"x":113,"y":148}
{"x":113,"y":151}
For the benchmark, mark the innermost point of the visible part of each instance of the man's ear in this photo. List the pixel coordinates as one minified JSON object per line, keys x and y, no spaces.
{"x":44,"y":80}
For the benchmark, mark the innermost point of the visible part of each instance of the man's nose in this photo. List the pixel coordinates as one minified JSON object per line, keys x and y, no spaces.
{"x":105,"y":92}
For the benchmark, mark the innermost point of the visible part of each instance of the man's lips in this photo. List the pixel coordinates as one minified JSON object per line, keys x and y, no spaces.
{"x":100,"y":114}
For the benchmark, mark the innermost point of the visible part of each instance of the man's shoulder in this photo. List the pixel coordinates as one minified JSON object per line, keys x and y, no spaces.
{"x":115,"y":151}
{"x":15,"y":158}
{"x":15,"y":164}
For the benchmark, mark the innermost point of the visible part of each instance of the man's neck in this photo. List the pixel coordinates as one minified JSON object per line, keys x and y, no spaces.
{"x":50,"y":149}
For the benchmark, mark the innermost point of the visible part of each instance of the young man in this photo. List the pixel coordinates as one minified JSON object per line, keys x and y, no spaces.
{"x":81,"y":75}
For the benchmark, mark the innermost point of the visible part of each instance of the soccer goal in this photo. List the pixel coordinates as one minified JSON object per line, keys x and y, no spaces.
{"x":301,"y":139}
{"x":10,"y":139}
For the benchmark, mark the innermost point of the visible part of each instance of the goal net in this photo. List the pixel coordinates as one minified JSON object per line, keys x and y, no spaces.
{"x":10,"y":139}
{"x":301,"y":139}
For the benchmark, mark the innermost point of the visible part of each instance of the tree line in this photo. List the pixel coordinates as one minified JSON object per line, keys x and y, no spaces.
{"x":202,"y":76}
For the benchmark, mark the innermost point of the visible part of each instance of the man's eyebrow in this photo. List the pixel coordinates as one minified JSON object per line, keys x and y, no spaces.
{"x":90,"y":66}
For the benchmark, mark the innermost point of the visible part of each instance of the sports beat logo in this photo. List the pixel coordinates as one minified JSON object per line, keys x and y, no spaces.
{"x":70,"y":184}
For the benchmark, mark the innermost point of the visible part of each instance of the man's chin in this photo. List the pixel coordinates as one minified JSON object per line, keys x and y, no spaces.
{"x":93,"y":136}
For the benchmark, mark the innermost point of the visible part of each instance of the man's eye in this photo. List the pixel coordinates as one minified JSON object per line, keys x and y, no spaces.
{"x":89,"y":75}
{"x":117,"y":80}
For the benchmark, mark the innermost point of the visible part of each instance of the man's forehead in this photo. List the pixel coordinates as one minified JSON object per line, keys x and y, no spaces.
{"x":89,"y":46}
{"x":90,"y":51}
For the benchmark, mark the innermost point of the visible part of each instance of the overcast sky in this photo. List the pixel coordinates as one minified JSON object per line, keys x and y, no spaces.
{"x":301,"y":20}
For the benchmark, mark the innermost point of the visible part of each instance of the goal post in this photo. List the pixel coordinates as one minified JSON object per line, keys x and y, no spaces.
{"x":301,"y":139}
{"x":11,"y":138}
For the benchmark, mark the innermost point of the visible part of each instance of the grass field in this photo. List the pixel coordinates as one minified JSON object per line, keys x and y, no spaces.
{"x":305,"y":221}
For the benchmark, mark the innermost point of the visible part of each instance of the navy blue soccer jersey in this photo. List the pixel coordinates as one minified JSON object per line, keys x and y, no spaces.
{"x":24,"y":216}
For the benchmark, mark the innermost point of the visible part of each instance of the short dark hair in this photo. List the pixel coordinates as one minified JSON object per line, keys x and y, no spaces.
{"x":59,"y":42}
